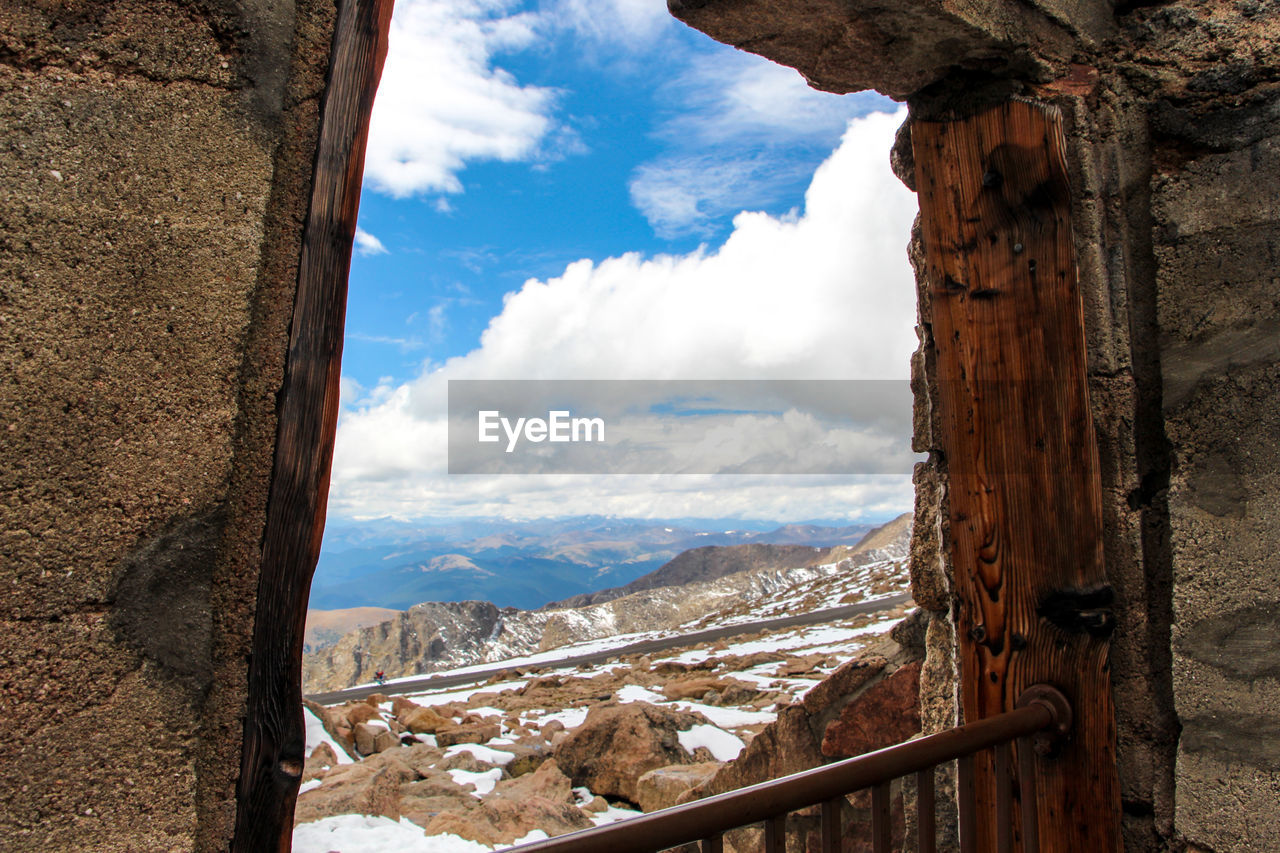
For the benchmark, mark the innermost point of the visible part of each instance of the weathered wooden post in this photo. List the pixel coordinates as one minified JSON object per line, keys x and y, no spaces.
{"x":273,"y":755}
{"x":1032,"y":600}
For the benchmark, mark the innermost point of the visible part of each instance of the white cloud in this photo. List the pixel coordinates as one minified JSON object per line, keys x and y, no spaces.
{"x":367,"y":244}
{"x":732,"y":139}
{"x":626,"y":25}
{"x":826,"y":293}
{"x":736,"y":97}
{"x":442,"y":103}
{"x":400,"y":343}
{"x":689,"y":194}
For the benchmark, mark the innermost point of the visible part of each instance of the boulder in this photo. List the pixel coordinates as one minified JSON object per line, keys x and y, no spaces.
{"x":365,"y":735}
{"x":434,"y":794}
{"x":318,"y":762}
{"x":421,"y":757}
{"x":335,"y":723}
{"x":502,"y":821}
{"x":463,"y":761}
{"x":836,"y":688}
{"x":886,"y":713}
{"x":422,"y":721}
{"x":400,"y":705}
{"x":696,"y":687}
{"x":453,"y":735}
{"x":787,"y":745}
{"x":802,"y":665}
{"x":361,"y":713}
{"x":461,"y":825}
{"x":352,"y":789}
{"x":530,"y":754}
{"x":663,"y":787}
{"x":385,"y":740}
{"x":547,"y":782}
{"x":383,"y":795}
{"x":617,"y":744}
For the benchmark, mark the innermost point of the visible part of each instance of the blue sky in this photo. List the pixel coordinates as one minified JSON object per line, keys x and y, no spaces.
{"x":573,"y":189}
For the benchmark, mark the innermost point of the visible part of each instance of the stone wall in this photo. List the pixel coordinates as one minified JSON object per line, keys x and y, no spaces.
{"x":156,"y":172}
{"x":1173,"y":114}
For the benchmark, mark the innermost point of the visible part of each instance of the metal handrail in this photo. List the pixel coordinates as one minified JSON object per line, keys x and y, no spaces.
{"x":1041,"y":709}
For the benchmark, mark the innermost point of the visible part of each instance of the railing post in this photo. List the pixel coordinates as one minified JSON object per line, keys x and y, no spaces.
{"x":926,"y":824}
{"x":881,"y":819}
{"x":831,"y":825}
{"x":775,"y":834}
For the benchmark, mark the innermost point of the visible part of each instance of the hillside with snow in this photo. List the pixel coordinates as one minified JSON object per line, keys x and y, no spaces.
{"x":436,"y":636}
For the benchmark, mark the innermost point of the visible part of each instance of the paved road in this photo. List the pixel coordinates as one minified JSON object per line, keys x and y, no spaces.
{"x":817,"y":617}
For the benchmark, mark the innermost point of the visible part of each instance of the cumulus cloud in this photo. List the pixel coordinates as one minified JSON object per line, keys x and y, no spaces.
{"x":442,"y":103}
{"x":825,"y":293}
{"x":367,"y":244}
{"x":682,"y":194}
{"x":732,"y":136}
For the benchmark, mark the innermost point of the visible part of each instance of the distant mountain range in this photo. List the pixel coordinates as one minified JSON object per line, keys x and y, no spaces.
{"x":528,"y":564}
{"x":703,"y":587}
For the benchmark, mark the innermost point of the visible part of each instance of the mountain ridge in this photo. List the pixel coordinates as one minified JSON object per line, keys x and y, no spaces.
{"x":435,"y":635}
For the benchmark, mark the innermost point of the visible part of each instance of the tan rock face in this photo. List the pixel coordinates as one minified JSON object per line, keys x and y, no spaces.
{"x":318,"y":763}
{"x":699,"y":686}
{"x":617,"y":744}
{"x":885,"y":714}
{"x":361,"y":713}
{"x":502,"y":821}
{"x":423,"y":720}
{"x":547,"y":782}
{"x":365,"y":788}
{"x":663,"y":787}
{"x":453,"y":735}
{"x":385,"y":740}
{"x":788,"y":745}
{"x":422,"y":800}
{"x":365,"y":735}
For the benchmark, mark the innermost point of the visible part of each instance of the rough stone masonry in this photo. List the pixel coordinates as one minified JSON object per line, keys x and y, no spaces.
{"x":156,"y":170}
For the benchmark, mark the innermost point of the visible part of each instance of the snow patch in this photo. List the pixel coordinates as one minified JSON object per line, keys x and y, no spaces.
{"x":481,"y":753}
{"x":636,"y":693}
{"x":352,"y":833}
{"x":728,"y":718}
{"x":316,"y":735}
{"x":723,"y":745}
{"x":483,"y":782}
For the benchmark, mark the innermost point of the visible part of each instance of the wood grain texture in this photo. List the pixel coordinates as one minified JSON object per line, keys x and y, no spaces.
{"x":1032,"y":601}
{"x":274,"y":741}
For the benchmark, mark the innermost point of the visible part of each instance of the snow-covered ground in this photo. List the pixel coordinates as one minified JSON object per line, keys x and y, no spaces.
{"x":755,"y":674}
{"x":794,"y":660}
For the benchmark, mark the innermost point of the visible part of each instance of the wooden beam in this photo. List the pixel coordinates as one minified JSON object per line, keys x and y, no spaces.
{"x":273,"y":751}
{"x":1032,"y":600}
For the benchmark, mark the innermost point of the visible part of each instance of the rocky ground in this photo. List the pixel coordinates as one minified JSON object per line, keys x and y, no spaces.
{"x":554,"y":749}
